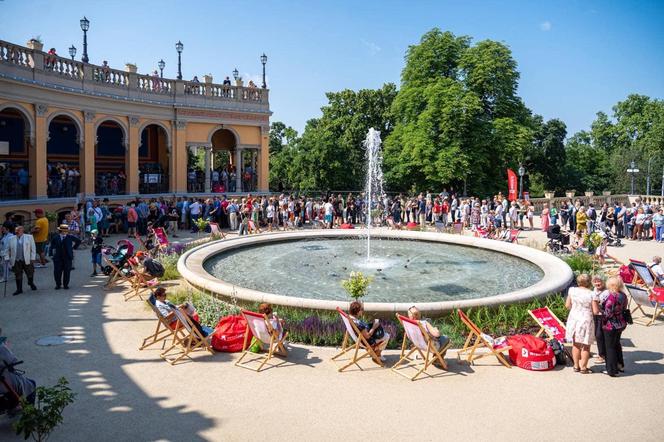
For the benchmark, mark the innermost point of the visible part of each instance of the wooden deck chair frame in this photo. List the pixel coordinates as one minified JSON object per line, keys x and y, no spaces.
{"x":430,"y":357}
{"x":360,"y":347}
{"x":457,"y":228}
{"x":117,"y":276}
{"x":641,"y":268}
{"x":275,"y":344}
{"x":186,"y":340}
{"x":162,"y":332}
{"x":138,"y":282}
{"x":514,"y":236}
{"x":141,"y":243}
{"x":161,"y":238}
{"x":215,"y":230}
{"x":649,"y":299}
{"x":544,"y":330}
{"x":476,"y":341}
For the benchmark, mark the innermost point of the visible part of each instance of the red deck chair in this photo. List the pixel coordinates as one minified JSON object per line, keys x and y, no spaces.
{"x":421,"y":343}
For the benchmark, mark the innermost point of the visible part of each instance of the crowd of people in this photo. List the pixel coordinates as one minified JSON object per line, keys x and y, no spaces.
{"x":63,"y":180}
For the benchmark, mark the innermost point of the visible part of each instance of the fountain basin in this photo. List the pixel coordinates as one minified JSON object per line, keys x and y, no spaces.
{"x":555,"y":274}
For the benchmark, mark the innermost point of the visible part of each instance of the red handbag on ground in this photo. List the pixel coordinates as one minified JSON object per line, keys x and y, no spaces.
{"x":531,"y":353}
{"x":626,"y":274}
{"x":228,"y":335}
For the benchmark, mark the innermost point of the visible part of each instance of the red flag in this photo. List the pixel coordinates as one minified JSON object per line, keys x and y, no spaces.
{"x":511,"y":185}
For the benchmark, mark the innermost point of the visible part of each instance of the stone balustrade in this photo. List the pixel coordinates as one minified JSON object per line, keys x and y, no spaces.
{"x":37,"y":67}
{"x":598,"y":200}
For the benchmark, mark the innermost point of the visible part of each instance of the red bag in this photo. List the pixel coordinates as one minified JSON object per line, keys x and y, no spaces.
{"x":627,"y":274}
{"x":531,"y":353}
{"x":228,"y":335}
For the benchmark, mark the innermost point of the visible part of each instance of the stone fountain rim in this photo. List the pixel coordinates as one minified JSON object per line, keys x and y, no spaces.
{"x":557,"y":274}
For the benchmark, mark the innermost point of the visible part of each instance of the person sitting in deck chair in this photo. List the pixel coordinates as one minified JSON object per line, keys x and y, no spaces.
{"x":373,"y":333}
{"x":152,"y":267}
{"x":167,"y":310}
{"x":656,"y":268}
{"x":439,"y":341}
{"x":276,"y":322}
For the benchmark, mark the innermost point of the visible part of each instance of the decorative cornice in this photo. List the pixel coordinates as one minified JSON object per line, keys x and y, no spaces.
{"x":89,"y":116}
{"x":41,"y":109}
{"x":179,"y":124}
{"x":133,"y":121}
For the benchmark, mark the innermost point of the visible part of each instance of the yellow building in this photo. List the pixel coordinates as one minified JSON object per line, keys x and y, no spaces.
{"x":72,"y":130}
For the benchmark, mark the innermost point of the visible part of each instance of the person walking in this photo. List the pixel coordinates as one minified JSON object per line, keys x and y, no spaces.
{"x":22,"y":254}
{"x":40,"y":235}
{"x":62,"y":251}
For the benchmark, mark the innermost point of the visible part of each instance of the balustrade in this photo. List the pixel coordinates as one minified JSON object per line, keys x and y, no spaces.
{"x":147,"y":83}
{"x":104,"y":74}
{"x":64,"y":67}
{"x":18,"y":55}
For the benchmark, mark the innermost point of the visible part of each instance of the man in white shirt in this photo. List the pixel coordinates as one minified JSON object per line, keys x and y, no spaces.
{"x":329,"y":213}
{"x":195,"y":212}
{"x":22,"y":253}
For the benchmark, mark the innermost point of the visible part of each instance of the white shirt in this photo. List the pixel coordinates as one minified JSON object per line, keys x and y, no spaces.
{"x":328,"y":208}
{"x":195,"y":208}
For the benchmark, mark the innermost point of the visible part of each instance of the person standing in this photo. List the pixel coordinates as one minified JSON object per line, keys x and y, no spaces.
{"x":580,"y":328}
{"x":62,"y":250}
{"x":613,"y":324}
{"x":40,"y":235}
{"x":22,"y":253}
{"x":7,"y":231}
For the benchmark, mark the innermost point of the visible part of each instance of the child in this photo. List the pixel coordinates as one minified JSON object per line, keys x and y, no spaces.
{"x":97,"y":243}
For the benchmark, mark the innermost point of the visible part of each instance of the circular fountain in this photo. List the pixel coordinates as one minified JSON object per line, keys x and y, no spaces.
{"x":435,"y":271}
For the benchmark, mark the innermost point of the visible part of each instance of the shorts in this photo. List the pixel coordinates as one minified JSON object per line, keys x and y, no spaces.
{"x":40,"y":247}
{"x":328,"y":218}
{"x":96,"y":258}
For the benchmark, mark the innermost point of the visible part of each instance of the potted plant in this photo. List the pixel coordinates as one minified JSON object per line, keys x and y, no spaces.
{"x":207,"y":78}
{"x":52,"y":218}
{"x":570,"y":193}
{"x":606,"y":192}
{"x":589,"y":193}
{"x":131,"y":68}
{"x":549,"y":194}
{"x":238,"y":82}
{"x":36,"y":43}
{"x":357,"y":285}
{"x":39,"y":420}
{"x":201,"y":225}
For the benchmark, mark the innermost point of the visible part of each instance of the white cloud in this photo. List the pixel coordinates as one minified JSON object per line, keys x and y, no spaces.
{"x":545,"y":26}
{"x":372,"y":47}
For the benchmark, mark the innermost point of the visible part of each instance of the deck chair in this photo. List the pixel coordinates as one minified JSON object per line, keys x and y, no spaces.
{"x":216,"y":231}
{"x":355,"y":342}
{"x":162,"y":333}
{"x":440,"y":227}
{"x":551,"y":326}
{"x":477,"y":340}
{"x":186,"y":340}
{"x":141,"y":243}
{"x":260,"y":327}
{"x":644,"y":274}
{"x":421,"y":343}
{"x":514,"y":236}
{"x":644,"y":297}
{"x":457,"y":228}
{"x":118,"y":275}
{"x":139,"y":282}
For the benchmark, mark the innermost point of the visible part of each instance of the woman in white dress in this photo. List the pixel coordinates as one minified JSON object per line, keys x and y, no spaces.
{"x":582,"y":303}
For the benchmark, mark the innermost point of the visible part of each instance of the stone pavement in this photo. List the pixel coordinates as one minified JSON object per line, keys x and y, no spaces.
{"x":129,"y":395}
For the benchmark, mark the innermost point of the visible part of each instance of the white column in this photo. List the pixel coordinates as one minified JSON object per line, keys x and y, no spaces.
{"x":238,"y":169}
{"x":208,"y":153}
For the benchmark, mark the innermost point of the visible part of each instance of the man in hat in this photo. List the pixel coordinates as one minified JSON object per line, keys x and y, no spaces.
{"x":62,"y":251}
{"x":22,"y":253}
{"x":40,"y":234}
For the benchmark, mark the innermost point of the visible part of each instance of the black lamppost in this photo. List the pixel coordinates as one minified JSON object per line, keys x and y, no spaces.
{"x":179,"y":47}
{"x":633,"y":171}
{"x":85,"y":25}
{"x":236,"y":74}
{"x":522,"y":172}
{"x":264,"y":60}
{"x":162,"y":65}
{"x":72,"y":52}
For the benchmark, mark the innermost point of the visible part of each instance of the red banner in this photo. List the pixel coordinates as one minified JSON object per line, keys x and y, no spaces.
{"x":511,"y":185}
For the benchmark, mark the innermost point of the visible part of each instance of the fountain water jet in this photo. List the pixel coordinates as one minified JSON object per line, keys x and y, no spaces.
{"x":374,"y":181}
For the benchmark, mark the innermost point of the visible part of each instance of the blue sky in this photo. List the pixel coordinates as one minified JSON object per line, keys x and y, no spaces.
{"x":575,"y":57}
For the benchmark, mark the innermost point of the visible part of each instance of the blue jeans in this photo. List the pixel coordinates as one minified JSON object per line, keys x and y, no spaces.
{"x":659,"y":233}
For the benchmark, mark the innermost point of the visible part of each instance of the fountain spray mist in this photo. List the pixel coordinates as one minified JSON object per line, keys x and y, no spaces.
{"x":373,"y":190}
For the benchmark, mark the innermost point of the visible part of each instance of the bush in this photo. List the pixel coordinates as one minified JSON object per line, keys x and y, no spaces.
{"x":357,"y":285}
{"x":582,"y":263}
{"x":39,"y":420}
{"x":170,"y":263}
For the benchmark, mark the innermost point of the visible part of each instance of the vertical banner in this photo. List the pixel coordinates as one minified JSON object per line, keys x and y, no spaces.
{"x":511,"y":185}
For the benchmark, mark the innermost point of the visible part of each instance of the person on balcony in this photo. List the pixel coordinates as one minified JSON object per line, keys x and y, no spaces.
{"x":105,"y":71}
{"x":195,"y":88}
{"x":227,"y":87}
{"x":50,"y":58}
{"x":156,"y":81}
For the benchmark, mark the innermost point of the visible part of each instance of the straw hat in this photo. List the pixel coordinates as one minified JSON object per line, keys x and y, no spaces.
{"x":63,"y":228}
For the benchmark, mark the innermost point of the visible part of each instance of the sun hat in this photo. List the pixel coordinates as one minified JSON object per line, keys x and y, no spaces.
{"x":63,"y":228}
{"x":39,"y":211}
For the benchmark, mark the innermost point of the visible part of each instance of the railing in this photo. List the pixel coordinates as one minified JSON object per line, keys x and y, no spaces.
{"x":94,"y":79}
{"x":59,"y":187}
{"x":153,"y":183}
{"x":110,"y":184}
{"x":13,"y":187}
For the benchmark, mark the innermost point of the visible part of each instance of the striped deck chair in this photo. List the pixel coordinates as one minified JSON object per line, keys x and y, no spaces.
{"x":216,"y":231}
{"x":355,"y":342}
{"x":477,"y":340}
{"x":162,"y":333}
{"x":260,"y":327}
{"x":161,"y":238}
{"x":139,"y":282}
{"x":644,"y":274}
{"x":514,"y":236}
{"x":186,"y":340}
{"x":553,"y":327}
{"x":647,"y":297}
{"x":421,"y":343}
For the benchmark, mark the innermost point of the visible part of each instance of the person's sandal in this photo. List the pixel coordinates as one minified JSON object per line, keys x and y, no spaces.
{"x":586,"y":371}
{"x":577,"y":369}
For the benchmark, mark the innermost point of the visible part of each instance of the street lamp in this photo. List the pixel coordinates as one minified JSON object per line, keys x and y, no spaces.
{"x":236,"y":74}
{"x":72,"y":52}
{"x":264,"y":60}
{"x":179,"y":47}
{"x":522,"y":172}
{"x":85,"y":25}
{"x":648,"y":177}
{"x":162,"y":65}
{"x":633,"y":171}
{"x":662,"y":181}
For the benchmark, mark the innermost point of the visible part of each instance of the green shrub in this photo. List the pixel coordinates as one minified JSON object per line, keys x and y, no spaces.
{"x":170,"y":263}
{"x":39,"y":420}
{"x":582,"y":263}
{"x":357,"y":284}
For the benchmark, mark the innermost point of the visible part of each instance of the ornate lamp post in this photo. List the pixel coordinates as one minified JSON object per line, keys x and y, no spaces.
{"x":236,"y":74}
{"x":263,"y":61}
{"x":162,"y":65}
{"x":72,"y":52}
{"x":648,"y":176}
{"x":633,"y":171}
{"x":662,"y":181}
{"x":85,"y":25}
{"x":179,"y":47}
{"x":522,"y":172}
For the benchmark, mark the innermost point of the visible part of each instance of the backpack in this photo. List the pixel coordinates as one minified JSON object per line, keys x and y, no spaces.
{"x":531,"y":353}
{"x":627,"y":274}
{"x":228,"y":335}
{"x":558,"y":351}
{"x":154,"y":268}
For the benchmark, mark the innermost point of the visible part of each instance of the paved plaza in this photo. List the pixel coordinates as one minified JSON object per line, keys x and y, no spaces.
{"x":127,"y":394}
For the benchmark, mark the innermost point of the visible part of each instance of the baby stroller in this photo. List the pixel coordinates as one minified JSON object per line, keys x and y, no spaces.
{"x":611,"y":238}
{"x":116,"y":261}
{"x":558,"y":241}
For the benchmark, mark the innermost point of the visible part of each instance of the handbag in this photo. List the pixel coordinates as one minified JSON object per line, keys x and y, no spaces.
{"x":627,"y":314}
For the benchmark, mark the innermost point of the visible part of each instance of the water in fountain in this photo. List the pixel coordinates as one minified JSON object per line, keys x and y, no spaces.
{"x":374,"y":182}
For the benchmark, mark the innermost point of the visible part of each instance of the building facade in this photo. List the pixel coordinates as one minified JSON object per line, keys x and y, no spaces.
{"x":72,"y":130}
